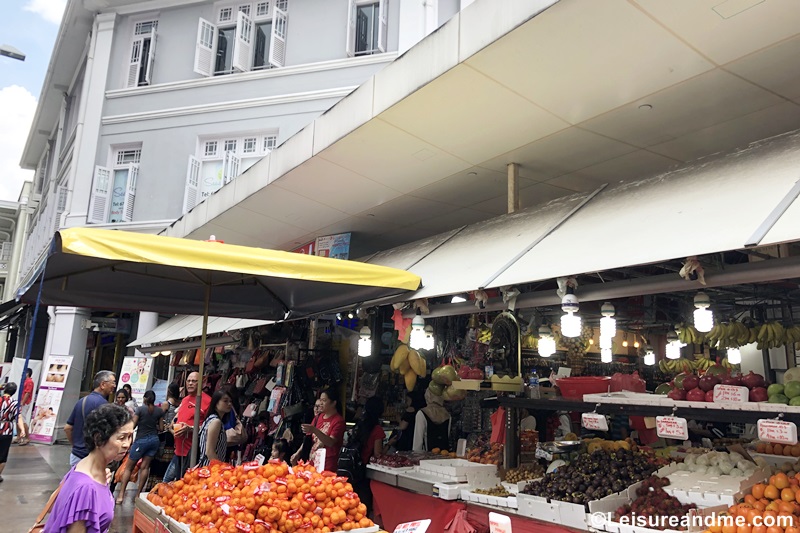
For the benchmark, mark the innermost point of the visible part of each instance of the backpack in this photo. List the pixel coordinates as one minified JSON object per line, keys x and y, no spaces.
{"x":350,"y":464}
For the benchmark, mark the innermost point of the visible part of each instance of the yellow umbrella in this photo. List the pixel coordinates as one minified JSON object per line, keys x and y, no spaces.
{"x":110,"y":269}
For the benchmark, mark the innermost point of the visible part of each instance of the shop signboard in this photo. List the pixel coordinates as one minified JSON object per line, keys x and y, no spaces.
{"x":48,"y":400}
{"x":594,"y":421}
{"x":731,"y":394}
{"x":777,"y":431}
{"x":418,"y":526}
{"x":334,"y":246}
{"x":136,"y":373}
{"x":307,"y":248}
{"x":672,"y":427}
{"x":499,"y":523}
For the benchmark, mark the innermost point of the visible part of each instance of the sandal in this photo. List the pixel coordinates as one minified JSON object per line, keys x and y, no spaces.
{"x":23,"y":441}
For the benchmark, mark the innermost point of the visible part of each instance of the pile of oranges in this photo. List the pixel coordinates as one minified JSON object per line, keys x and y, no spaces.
{"x":262,"y":499}
{"x":780,"y":497}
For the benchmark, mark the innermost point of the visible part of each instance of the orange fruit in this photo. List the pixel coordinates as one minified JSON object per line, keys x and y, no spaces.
{"x":787,"y":494}
{"x":775,"y":529}
{"x":758,"y":491}
{"x":744,"y":528}
{"x":771,"y":492}
{"x":729,"y":528}
{"x":759,"y":529}
{"x":781,"y":480}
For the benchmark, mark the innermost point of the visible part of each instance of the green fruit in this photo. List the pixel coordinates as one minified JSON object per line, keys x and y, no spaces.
{"x":795,"y":401}
{"x":775,"y":389}
{"x":778,"y":398}
{"x":436,"y":388}
{"x":792,"y":389}
{"x":679,"y":380}
{"x":663,"y":389}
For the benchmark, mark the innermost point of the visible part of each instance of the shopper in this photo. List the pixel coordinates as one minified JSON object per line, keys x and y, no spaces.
{"x":280,"y":450}
{"x":9,"y":410}
{"x":170,"y":407}
{"x":25,"y":411}
{"x":122,"y":399}
{"x":183,"y":427}
{"x":368,"y":436}
{"x":213,"y":441}
{"x":148,"y":420}
{"x":327,"y":431}
{"x":403,"y":438}
{"x":84,"y":503}
{"x":304,"y":451}
{"x":432,"y":425}
{"x":104,"y":384}
{"x":131,"y":404}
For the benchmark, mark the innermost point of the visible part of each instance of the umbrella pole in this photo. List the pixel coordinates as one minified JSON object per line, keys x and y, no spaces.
{"x":199,"y":401}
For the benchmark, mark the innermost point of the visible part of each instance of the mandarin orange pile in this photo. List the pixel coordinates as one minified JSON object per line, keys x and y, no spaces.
{"x":261,"y":499}
{"x":780,"y":497}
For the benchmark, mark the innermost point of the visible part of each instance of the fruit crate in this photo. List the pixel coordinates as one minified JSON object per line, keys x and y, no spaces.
{"x":498,"y":501}
{"x":708,"y":491}
{"x":598,"y":520}
{"x":147,"y":508}
{"x":538,"y":508}
{"x":454,"y":468}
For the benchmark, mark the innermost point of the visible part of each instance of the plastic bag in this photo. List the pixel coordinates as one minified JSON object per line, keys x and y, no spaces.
{"x":460,"y":524}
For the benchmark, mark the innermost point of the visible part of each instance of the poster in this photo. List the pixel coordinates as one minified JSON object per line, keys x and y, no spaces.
{"x":136,"y":373}
{"x":307,"y":248}
{"x":48,"y":400}
{"x":334,"y":246}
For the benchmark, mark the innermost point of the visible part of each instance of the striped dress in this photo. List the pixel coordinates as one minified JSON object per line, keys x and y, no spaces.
{"x":221,"y":446}
{"x":8,"y":413}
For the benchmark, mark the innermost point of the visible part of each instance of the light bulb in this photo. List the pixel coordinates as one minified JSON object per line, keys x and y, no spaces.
{"x":649,"y":356}
{"x":734,"y":356}
{"x":625,"y":341}
{"x":703,"y":317}
{"x":457,"y":299}
{"x":674,"y":346}
{"x":570,"y":322}
{"x":168,"y":352}
{"x":591,"y":342}
{"x":606,"y":355}
{"x":155,"y":354}
{"x":608,"y":327}
{"x":365,"y":342}
{"x":429,"y":339}
{"x":547,"y":344}
{"x":417,"y":339}
{"x":635,"y":343}
{"x":605,"y":342}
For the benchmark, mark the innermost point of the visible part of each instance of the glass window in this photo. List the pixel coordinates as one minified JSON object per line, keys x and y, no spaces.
{"x":118,"y":195}
{"x":245,"y":8}
{"x":226,"y":14}
{"x":249,"y":145}
{"x":261,"y":55}
{"x":367,"y":28}
{"x":230,"y":145}
{"x":125,"y":157}
{"x":262,"y":9}
{"x":144,"y":28}
{"x":210,"y":149}
{"x":225,"y":41}
{"x":269,"y":143}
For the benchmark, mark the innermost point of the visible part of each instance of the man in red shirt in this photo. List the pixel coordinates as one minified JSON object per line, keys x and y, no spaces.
{"x":182,"y":429}
{"x":25,"y":411}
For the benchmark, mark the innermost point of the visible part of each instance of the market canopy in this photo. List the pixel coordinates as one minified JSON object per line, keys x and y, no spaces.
{"x":89,"y":267}
{"x":182,"y":327}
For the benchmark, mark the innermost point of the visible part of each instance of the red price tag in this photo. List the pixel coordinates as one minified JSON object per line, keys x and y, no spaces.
{"x":499,"y":523}
{"x":731,"y":394}
{"x":672,"y":427}
{"x":419,"y":526}
{"x":777,"y":431}
{"x":160,"y":527}
{"x":594,"y":421}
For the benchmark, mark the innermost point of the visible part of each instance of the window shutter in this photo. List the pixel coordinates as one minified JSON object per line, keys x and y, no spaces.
{"x":277,"y":46}
{"x":130,"y":193}
{"x":383,"y":29}
{"x":243,"y":45}
{"x":351,"y":29}
{"x":204,"y":49}
{"x":230,"y":167}
{"x":150,"y":59}
{"x":61,"y":206}
{"x":101,"y":196}
{"x":192,"y":193}
{"x":136,"y":62}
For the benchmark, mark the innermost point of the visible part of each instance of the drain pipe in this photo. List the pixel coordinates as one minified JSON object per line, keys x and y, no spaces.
{"x":513,"y":187}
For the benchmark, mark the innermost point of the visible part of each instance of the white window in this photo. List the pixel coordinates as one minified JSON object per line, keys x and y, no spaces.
{"x":246,"y":37}
{"x":210,"y":149}
{"x":230,"y":145}
{"x":250,"y":145}
{"x":143,"y":54}
{"x":367,"y":27}
{"x":270,"y":141}
{"x":114,"y":188}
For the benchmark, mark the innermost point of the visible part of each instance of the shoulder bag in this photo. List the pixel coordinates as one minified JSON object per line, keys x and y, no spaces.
{"x":38,"y":526}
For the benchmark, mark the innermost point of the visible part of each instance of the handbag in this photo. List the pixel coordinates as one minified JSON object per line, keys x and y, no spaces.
{"x":262,"y":360}
{"x":198,"y":356}
{"x":236,"y":435}
{"x":241,"y":381}
{"x":261,"y":386}
{"x":251,"y":410}
{"x":250,"y":367}
{"x":38,"y":526}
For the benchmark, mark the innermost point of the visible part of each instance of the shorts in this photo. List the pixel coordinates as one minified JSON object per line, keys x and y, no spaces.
{"x":25,"y":413}
{"x":144,"y":447}
{"x":5,"y":444}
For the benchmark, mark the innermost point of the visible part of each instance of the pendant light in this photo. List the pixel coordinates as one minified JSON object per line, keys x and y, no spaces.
{"x":734,"y":356}
{"x":649,"y":356}
{"x":417,"y":337}
{"x":429,"y":339}
{"x":547,"y":344}
{"x":674,"y":346}
{"x":570,"y":322}
{"x":606,"y":355}
{"x":703,"y":317}
{"x":365,"y":342}
{"x":608,"y":324}
{"x":625,"y":340}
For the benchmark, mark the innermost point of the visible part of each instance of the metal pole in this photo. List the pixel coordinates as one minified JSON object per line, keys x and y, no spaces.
{"x":513,"y":187}
{"x":199,"y":401}
{"x":32,"y":332}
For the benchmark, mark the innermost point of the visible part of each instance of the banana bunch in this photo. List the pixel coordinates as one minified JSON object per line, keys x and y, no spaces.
{"x":484,"y":335}
{"x":675,"y":366}
{"x":701,"y":363}
{"x":530,"y":341}
{"x":774,"y":335}
{"x":687,"y":334}
{"x":729,"y":334}
{"x":409,"y":363}
{"x":727,"y":364}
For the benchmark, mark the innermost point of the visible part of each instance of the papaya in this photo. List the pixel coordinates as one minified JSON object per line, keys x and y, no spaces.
{"x":405,"y":366}
{"x":400,"y":354}
{"x":417,"y":363}
{"x":411,"y":380}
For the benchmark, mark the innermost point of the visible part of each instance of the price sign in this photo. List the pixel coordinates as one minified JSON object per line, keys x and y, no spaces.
{"x":595,"y":422}
{"x":499,"y":523}
{"x":259,"y":459}
{"x":672,"y":427}
{"x":731,"y":394}
{"x":419,"y":526}
{"x":777,"y":431}
{"x":160,"y":527}
{"x":319,"y":459}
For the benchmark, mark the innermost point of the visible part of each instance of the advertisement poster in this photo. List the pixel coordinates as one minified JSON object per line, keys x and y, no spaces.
{"x":48,"y":400}
{"x":136,"y":373}
{"x":307,"y":248}
{"x":335,"y":246}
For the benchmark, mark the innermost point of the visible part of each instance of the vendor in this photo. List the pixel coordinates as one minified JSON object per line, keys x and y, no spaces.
{"x":327,"y":431}
{"x":527,"y":422}
{"x":403,"y":438}
{"x":432,"y":425}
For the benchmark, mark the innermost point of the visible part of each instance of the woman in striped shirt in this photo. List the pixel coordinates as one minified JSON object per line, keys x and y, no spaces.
{"x":9,"y":409}
{"x":213,"y":442}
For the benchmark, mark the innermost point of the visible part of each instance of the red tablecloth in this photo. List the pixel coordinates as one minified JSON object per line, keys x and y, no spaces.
{"x":395,"y":506}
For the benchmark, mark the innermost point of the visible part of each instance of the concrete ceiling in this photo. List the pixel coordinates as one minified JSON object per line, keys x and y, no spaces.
{"x":581,"y":94}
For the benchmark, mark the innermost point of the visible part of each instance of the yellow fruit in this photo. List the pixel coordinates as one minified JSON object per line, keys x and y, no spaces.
{"x":401,"y":354}
{"x":411,"y":380}
{"x":405,"y":367}
{"x":417,"y":363}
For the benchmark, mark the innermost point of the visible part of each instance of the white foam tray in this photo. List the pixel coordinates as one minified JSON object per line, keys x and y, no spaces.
{"x":497,"y":501}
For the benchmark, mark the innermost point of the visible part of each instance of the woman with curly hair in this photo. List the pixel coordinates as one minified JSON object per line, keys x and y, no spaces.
{"x":84,"y":504}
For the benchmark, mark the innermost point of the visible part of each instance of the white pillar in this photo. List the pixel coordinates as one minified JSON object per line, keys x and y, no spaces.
{"x":69,"y":338}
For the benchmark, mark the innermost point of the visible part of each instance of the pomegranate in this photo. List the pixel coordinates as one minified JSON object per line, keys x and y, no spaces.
{"x":753,"y":381}
{"x":475,"y":373}
{"x":758,"y":394}
{"x":696,"y":395}
{"x":708,"y":382}
{"x":464,"y":372}
{"x":710,"y":396}
{"x":678,"y":394}
{"x":690,"y":382}
{"x":733,"y":380}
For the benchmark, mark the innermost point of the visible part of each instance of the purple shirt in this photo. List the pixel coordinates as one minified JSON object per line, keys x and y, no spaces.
{"x":81,"y":498}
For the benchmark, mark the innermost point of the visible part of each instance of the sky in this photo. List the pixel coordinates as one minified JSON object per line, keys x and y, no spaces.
{"x":30,"y":26}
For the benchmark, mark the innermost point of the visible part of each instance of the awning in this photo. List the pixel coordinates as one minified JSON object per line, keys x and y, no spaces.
{"x":182,"y":327}
{"x":714,"y":205}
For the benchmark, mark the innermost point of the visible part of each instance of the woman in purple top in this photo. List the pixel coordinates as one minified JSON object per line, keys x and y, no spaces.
{"x":84,"y":503}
